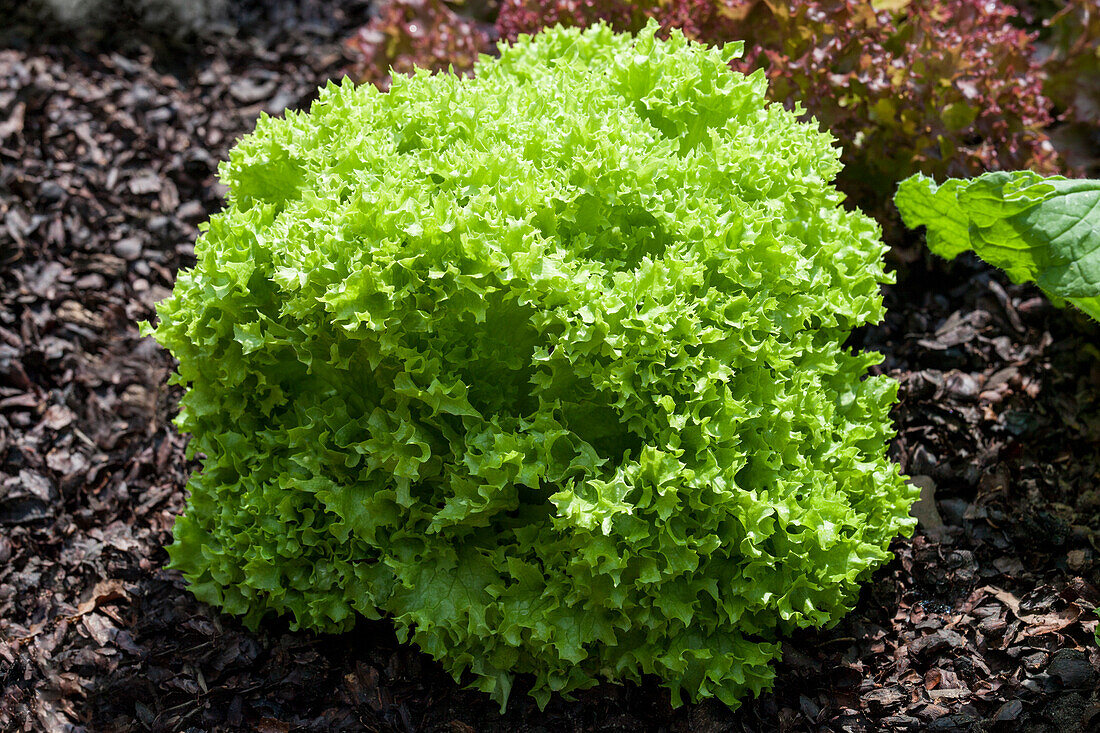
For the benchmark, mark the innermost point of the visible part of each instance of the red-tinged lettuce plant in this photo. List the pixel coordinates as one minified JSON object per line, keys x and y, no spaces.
{"x":939,"y":87}
{"x":405,"y":35}
{"x":545,"y":365}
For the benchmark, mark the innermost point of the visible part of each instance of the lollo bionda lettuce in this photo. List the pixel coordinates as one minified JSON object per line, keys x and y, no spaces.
{"x":546,"y":366}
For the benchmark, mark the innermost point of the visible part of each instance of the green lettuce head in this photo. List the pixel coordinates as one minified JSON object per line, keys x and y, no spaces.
{"x":544,"y":365}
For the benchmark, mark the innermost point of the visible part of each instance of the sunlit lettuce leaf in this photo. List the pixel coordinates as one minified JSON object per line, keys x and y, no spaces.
{"x":1036,"y":229}
{"x":545,"y":366}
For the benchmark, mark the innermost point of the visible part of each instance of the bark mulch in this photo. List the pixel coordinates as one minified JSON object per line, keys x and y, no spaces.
{"x":108,"y":151}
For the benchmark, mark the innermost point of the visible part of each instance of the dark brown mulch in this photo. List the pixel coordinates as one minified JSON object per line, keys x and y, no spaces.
{"x":107,"y":161}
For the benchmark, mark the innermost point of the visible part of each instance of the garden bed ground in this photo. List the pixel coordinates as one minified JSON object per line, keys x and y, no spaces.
{"x":107,"y":165}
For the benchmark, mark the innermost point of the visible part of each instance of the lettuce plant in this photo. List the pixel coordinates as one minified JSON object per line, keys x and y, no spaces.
{"x":545,"y":365}
{"x":405,"y":35}
{"x":1041,"y":230}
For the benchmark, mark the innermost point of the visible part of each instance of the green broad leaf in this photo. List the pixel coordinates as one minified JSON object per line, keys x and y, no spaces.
{"x":1041,"y":230}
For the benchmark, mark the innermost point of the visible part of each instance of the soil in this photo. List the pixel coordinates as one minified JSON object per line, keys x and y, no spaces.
{"x":108,"y":154}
